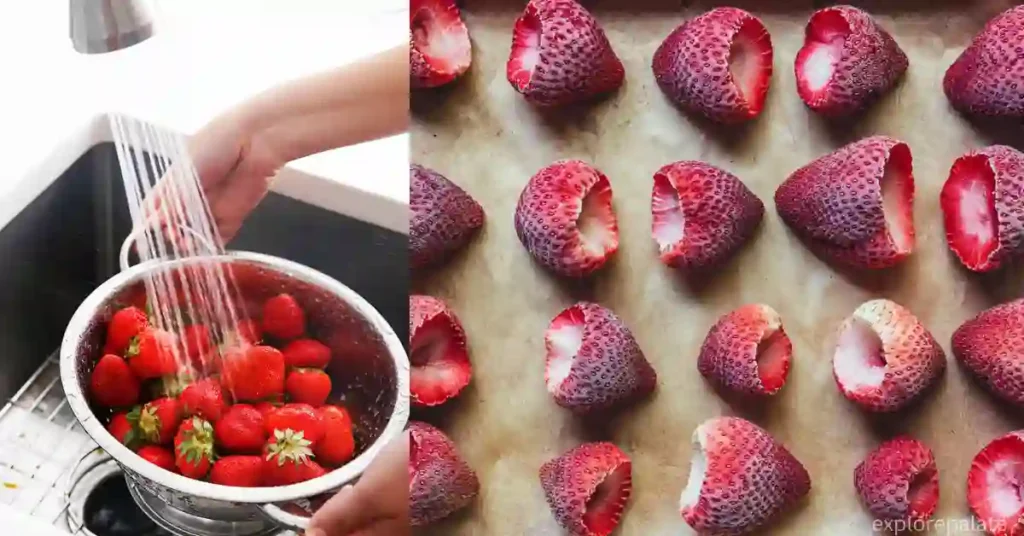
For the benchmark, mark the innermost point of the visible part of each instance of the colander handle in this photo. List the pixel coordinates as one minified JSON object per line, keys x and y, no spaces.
{"x":126,"y":246}
{"x":287,"y":520}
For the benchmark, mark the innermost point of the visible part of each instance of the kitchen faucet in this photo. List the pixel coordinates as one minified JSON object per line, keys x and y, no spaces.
{"x":99,"y":26}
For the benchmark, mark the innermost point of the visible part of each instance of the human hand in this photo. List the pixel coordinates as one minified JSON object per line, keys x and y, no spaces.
{"x":377,"y":505}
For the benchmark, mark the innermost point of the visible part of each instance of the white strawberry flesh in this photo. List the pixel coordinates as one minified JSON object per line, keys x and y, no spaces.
{"x":440,"y":35}
{"x":667,"y":212}
{"x":750,"y":57}
{"x":995,"y":485}
{"x":859,"y":362}
{"x":440,"y":367}
{"x":897,"y":186}
{"x":969,"y":205}
{"x":698,"y":471}
{"x":526,"y":47}
{"x":564,"y":340}
{"x":596,"y":222}
{"x":823,"y":48}
{"x":773,"y":356}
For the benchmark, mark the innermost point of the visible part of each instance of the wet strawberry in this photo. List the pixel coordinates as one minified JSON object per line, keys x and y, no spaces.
{"x":338,"y":444}
{"x":205,"y":399}
{"x":151,"y":354}
{"x":238,"y":471}
{"x":124,"y":325}
{"x":288,"y":459}
{"x":308,"y":386}
{"x":157,"y":420}
{"x":158,"y":456}
{"x":193,"y":448}
{"x":112,"y":383}
{"x":301,"y":418}
{"x":254,"y":373}
{"x":124,"y":431}
{"x":241,"y":429}
{"x":306,"y":353}
{"x":283,"y":318}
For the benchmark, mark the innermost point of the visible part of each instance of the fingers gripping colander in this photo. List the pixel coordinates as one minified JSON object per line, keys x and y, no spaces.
{"x":369,"y":371}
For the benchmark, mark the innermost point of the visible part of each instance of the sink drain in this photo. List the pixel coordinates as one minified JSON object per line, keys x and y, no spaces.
{"x":100,"y":504}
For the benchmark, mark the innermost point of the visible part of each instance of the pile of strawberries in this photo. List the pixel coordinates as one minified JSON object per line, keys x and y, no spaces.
{"x":236,"y":412}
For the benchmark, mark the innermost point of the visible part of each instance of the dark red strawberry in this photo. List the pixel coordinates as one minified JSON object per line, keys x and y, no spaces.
{"x":885,"y":358}
{"x":288,"y":459}
{"x":238,"y":471}
{"x":439,"y":46}
{"x":854,"y":206}
{"x":197,"y":343}
{"x":588,"y":487}
{"x":338,"y":444}
{"x":741,"y":478}
{"x":124,"y":431}
{"x":158,"y":456}
{"x":253,"y":374}
{"x":593,"y":362}
{"x":991,"y":346}
{"x":241,"y":429}
{"x":124,"y":325}
{"x":847,"y":62}
{"x":266,"y":408}
{"x":247,"y":332}
{"x":157,"y":420}
{"x":205,"y":399}
{"x":151,"y":354}
{"x":301,"y":418}
{"x":112,"y":383}
{"x":306,"y":353}
{"x":701,"y":215}
{"x":193,"y":448}
{"x":987,"y":79}
{"x":442,"y":219}
{"x":440,"y":481}
{"x":560,"y":55}
{"x":439,"y":357}
{"x":718,"y":65}
{"x":283,"y":317}
{"x":565,"y":218}
{"x":308,"y":386}
{"x":747,"y":351}
{"x":899,"y":482}
{"x":981,"y":207}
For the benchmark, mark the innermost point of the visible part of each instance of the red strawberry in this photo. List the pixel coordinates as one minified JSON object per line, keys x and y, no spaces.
{"x":151,"y":354}
{"x":157,"y":420}
{"x":993,"y":485}
{"x":124,"y":431}
{"x":560,"y":55}
{"x":254,"y":373}
{"x":193,"y":448}
{"x":283,"y":317}
{"x":565,"y":218}
{"x":171,"y":386}
{"x":338,"y":444}
{"x":740,"y":478}
{"x":991,"y":346}
{"x":847,"y":61}
{"x":301,"y":418}
{"x":439,"y":46}
{"x":718,"y":65}
{"x":987,"y":78}
{"x":112,"y":383}
{"x":981,"y":207}
{"x":588,"y":487}
{"x":440,"y":481}
{"x":124,"y":325}
{"x":239,"y":471}
{"x":885,"y":358}
{"x":158,"y":456}
{"x":306,"y":353}
{"x":247,"y":332}
{"x":701,"y":214}
{"x":443,"y":217}
{"x":593,"y":363}
{"x":266,"y":408}
{"x":197,"y":343}
{"x":439,"y":358}
{"x":855,"y":205}
{"x":308,"y":386}
{"x":898,"y":481}
{"x":241,"y":429}
{"x":747,"y":351}
{"x":205,"y":399}
{"x":288,"y":459}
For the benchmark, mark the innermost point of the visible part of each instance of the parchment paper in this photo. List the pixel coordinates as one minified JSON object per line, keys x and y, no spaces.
{"x":483,"y":136}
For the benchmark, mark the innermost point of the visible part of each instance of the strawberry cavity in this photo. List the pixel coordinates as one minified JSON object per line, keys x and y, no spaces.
{"x":526,"y":46}
{"x":750,"y":63}
{"x":439,"y":357}
{"x":823,"y":48}
{"x":995,"y":483}
{"x":968,"y":205}
{"x":441,"y":50}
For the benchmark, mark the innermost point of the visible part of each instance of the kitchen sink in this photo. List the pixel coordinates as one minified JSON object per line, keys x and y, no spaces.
{"x":65,"y":242}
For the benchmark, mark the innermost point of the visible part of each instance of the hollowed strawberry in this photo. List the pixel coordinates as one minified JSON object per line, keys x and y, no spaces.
{"x":439,"y":358}
{"x":747,"y":351}
{"x":439,"y":49}
{"x":994,"y":485}
{"x":588,"y":487}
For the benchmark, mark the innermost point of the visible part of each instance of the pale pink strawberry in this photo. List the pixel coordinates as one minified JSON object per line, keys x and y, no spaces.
{"x":440,"y":481}
{"x":442,"y":217}
{"x":439,"y":357}
{"x":747,"y":351}
{"x":439,"y":46}
{"x":899,"y":482}
{"x":993,"y":485}
{"x":587,"y":488}
{"x":987,"y":79}
{"x":991,"y":346}
{"x":565,"y":219}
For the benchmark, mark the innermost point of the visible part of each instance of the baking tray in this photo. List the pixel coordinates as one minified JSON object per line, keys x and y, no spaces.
{"x":482,"y":135}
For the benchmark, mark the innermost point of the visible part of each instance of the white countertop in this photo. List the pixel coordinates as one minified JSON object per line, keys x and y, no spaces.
{"x":206,"y":56}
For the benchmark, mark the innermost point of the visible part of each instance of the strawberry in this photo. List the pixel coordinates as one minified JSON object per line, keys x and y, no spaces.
{"x":151,"y":354}
{"x":991,"y":346}
{"x":440,"y":481}
{"x":847,"y":61}
{"x":288,"y":459}
{"x":112,"y":383}
{"x":981,"y":210}
{"x":747,"y":351}
{"x":197,"y":342}
{"x":701,"y":215}
{"x":588,"y":487}
{"x":993,"y":485}
{"x":439,"y":358}
{"x":439,"y":46}
{"x":266,"y":408}
{"x":443,"y":217}
{"x":740,"y":478}
{"x":205,"y":399}
{"x":593,"y":363}
{"x":247,"y":332}
{"x":157,"y":420}
{"x":306,"y":353}
{"x":193,"y":448}
{"x":171,"y":386}
{"x":718,"y":65}
{"x":241,"y":429}
{"x":885,"y":358}
{"x":124,"y":325}
{"x":338,"y":444}
{"x":300,"y":418}
{"x":308,"y":386}
{"x":986,"y":80}
{"x":899,"y":482}
{"x":854,"y":206}
{"x":560,"y":55}
{"x":283,"y":318}
{"x":238,"y":471}
{"x":254,"y":373}
{"x":158,"y":456}
{"x":565,"y":218}
{"x":124,"y":431}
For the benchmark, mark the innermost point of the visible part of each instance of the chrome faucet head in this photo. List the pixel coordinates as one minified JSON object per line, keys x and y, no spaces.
{"x":99,"y":26}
